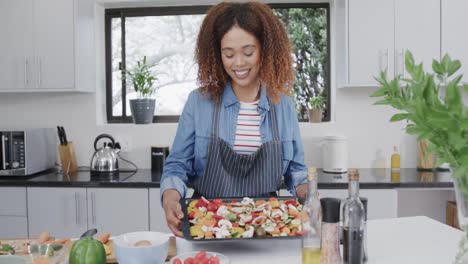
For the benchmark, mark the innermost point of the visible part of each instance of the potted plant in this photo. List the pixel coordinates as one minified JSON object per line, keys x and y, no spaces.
{"x":142,"y":81}
{"x":315,"y":108}
{"x":441,"y":120}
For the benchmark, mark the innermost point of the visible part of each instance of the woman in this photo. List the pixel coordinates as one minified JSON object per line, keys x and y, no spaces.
{"x":238,"y":134}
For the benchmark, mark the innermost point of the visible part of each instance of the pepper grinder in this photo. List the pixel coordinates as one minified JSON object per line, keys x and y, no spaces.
{"x":330,"y":242}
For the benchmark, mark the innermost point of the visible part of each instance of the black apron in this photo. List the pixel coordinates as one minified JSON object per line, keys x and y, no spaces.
{"x":229,"y":174}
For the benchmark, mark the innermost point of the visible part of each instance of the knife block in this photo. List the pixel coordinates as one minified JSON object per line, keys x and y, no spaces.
{"x":68,"y":158}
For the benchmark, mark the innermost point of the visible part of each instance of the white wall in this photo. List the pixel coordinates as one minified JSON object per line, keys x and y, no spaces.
{"x":371,"y":135}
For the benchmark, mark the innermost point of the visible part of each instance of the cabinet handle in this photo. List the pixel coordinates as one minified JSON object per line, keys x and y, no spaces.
{"x":93,"y":208}
{"x":76,"y":209}
{"x":382,"y":61}
{"x":3,"y":152}
{"x":25,"y":72}
{"x":40,"y":72}
{"x":399,"y":64}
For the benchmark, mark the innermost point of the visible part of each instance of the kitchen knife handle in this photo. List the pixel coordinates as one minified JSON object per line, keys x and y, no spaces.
{"x":76,"y":209}
{"x":93,"y":208}
{"x":3,"y":153}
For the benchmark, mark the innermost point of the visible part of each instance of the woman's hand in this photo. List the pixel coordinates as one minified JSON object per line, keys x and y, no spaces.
{"x":173,"y":211}
{"x":301,"y":191}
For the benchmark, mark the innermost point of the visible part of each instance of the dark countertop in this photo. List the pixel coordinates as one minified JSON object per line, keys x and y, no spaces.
{"x":144,"y":178}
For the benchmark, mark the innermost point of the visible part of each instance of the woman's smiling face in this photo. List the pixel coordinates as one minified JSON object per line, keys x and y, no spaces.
{"x":240,"y":53}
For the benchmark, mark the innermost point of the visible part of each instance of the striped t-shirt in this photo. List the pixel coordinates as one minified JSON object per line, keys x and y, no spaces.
{"x":248,"y":138}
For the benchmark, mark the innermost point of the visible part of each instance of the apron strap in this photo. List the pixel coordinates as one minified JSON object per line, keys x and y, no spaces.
{"x":274,"y":122}
{"x":215,"y":125}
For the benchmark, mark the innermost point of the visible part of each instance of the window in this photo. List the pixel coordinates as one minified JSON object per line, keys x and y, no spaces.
{"x":167,"y":37}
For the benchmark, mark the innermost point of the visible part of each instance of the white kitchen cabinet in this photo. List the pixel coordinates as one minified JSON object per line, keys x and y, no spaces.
{"x":379,"y":33}
{"x":16,"y":45}
{"x":454,"y":37}
{"x":60,"y":211}
{"x":417,"y":28}
{"x":370,"y":40}
{"x":118,"y":210}
{"x":13,"y":212}
{"x":48,"y":45}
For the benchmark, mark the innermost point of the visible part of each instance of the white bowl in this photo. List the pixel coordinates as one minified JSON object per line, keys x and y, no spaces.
{"x":127,"y":253}
{"x":223,"y":259}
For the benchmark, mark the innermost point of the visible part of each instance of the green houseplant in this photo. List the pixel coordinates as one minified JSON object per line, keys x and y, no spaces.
{"x":441,"y":119}
{"x":142,"y":81}
{"x":315,"y":108}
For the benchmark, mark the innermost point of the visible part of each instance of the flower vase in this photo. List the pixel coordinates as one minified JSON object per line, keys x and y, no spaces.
{"x":462,"y":212}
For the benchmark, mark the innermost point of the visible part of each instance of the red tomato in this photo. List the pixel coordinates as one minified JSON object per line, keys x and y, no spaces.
{"x":298,"y":233}
{"x":292,"y":202}
{"x":217,"y":217}
{"x":191,"y":215}
{"x":235,"y":224}
{"x":213,"y":260}
{"x":212,"y":207}
{"x":177,"y":261}
{"x":218,"y":201}
{"x":189,"y":260}
{"x":200,"y":203}
{"x":201,"y":255}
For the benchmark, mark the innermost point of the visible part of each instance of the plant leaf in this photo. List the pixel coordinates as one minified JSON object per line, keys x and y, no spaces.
{"x":398,"y":117}
{"x":453,"y":67}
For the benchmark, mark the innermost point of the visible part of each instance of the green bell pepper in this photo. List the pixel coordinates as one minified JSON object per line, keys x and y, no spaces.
{"x":87,"y":251}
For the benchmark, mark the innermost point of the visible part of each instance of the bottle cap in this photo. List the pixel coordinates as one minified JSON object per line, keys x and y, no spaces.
{"x":330,"y":210}
{"x":353,"y":174}
{"x":312,"y":173}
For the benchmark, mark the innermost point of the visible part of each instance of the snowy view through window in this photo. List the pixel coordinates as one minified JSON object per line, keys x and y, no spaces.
{"x":169,"y":42}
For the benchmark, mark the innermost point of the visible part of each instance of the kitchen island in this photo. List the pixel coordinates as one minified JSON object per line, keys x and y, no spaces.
{"x":129,"y":201}
{"x":408,"y":240}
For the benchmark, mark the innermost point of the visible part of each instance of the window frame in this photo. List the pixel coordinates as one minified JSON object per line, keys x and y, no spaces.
{"x":111,"y":13}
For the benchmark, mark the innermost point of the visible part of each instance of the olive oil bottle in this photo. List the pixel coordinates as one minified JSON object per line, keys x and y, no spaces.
{"x":311,"y":221}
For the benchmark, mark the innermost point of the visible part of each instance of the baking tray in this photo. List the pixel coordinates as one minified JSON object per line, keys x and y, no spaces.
{"x":186,"y":223}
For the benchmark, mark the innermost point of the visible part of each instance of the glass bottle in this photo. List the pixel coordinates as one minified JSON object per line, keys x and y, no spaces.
{"x":353,"y":223}
{"x":330,"y":239}
{"x":364,"y":202}
{"x":311,"y":221}
{"x":395,"y":160}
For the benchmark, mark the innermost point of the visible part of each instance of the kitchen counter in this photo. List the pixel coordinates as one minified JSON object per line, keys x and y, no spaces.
{"x":144,"y":178}
{"x":400,"y":240}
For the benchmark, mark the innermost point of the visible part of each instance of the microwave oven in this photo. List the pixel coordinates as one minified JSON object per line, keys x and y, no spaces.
{"x":27,"y":151}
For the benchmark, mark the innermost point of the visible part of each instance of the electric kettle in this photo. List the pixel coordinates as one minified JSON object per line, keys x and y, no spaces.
{"x":335,"y":154}
{"x":104,"y":160}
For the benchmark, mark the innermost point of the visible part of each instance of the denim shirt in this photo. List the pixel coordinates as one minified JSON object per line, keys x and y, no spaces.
{"x":188,"y":156}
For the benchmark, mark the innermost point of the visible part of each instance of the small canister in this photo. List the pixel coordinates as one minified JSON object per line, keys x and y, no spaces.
{"x":330,"y":242}
{"x":158,"y":157}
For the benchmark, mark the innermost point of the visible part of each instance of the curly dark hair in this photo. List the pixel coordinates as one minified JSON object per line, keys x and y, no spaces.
{"x":276,"y":71}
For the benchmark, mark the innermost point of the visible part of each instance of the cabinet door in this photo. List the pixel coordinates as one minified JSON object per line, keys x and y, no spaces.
{"x":13,"y":201}
{"x":16,"y":44}
{"x":454,"y":37}
{"x":54,"y":43}
{"x":60,"y":211}
{"x":417,"y":28}
{"x":13,"y":212}
{"x":118,"y":210}
{"x":370,"y":36}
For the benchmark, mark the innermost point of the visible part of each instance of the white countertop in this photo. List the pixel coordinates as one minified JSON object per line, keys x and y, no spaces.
{"x":400,"y":240}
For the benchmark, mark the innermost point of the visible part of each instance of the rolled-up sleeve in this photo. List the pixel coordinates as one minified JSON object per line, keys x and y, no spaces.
{"x":179,"y":164}
{"x":296,"y":173}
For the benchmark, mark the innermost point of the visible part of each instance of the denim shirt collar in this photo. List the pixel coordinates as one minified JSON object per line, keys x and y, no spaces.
{"x":229,"y":98}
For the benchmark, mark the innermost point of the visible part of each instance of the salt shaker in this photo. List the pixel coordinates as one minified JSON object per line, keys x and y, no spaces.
{"x":330,"y":243}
